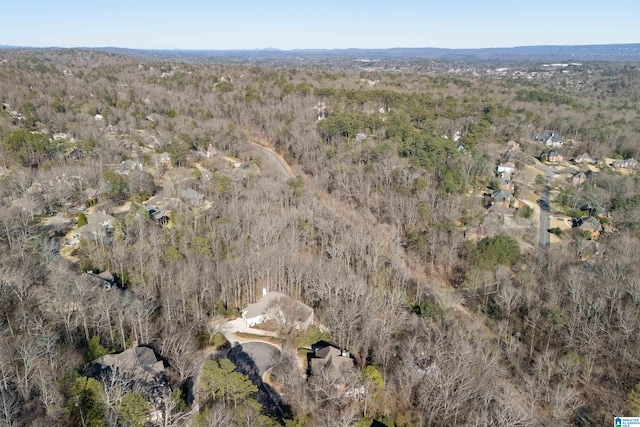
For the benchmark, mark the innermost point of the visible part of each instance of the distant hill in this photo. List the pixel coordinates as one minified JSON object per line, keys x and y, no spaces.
{"x":605,"y":52}
{"x":609,"y":52}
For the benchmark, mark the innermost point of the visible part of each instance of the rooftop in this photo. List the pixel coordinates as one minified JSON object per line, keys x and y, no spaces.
{"x":272,"y":298}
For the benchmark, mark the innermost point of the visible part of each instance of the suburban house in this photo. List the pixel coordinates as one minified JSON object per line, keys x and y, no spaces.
{"x":159,"y":216}
{"x":626,"y":164}
{"x":550,"y":139}
{"x":507,"y":184}
{"x":192,"y":196}
{"x":578,"y":178}
{"x":139,"y":370}
{"x":276,"y":305}
{"x":584,"y":158}
{"x":105,"y":280}
{"x":336,"y":366}
{"x":97,"y":227}
{"x":506,"y":168}
{"x":502,"y":197}
{"x":554,"y":156}
{"x":590,"y":224}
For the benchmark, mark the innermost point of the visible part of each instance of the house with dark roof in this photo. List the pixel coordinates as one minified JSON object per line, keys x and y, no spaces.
{"x":138,"y":369}
{"x":334,"y":366}
{"x":550,"y":139}
{"x":554,"y":156}
{"x":502,"y":197}
{"x":276,"y":305}
{"x":105,"y":280}
{"x":589,"y":224}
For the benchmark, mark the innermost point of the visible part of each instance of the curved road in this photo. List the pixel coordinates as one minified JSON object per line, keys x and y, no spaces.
{"x":276,"y":159}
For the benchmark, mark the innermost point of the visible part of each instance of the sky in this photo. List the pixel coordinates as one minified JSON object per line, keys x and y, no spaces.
{"x":317,"y":24}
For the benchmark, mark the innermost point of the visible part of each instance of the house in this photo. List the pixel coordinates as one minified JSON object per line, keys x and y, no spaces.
{"x":97,"y":228}
{"x":192,"y":196}
{"x":161,"y":217}
{"x":589,"y":224}
{"x":554,"y":156}
{"x":626,"y":164}
{"x":330,"y":364}
{"x":507,"y":184}
{"x":100,"y":218}
{"x":506,"y":168}
{"x":105,"y":280}
{"x":137,"y":368}
{"x":276,"y":305}
{"x":550,"y":139}
{"x":502,"y":197}
{"x":584,"y":158}
{"x":578,"y":178}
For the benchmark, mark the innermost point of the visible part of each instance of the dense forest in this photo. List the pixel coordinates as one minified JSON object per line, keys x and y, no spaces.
{"x":146,"y":203}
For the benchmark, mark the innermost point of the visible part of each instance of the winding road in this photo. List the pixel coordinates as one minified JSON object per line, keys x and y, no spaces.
{"x":276,"y":159}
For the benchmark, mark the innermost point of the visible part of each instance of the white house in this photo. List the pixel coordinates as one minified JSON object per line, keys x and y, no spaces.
{"x":507,"y":167}
{"x":275,"y":305}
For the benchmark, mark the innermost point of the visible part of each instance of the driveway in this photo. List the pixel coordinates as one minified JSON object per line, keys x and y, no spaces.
{"x":254,"y":357}
{"x":230,"y":328}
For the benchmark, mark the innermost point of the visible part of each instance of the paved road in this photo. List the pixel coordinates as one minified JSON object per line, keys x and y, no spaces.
{"x":276,"y":159}
{"x":545,"y":204}
{"x":545,"y":222}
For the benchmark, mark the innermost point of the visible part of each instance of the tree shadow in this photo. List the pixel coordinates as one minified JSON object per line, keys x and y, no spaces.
{"x":267,"y":397}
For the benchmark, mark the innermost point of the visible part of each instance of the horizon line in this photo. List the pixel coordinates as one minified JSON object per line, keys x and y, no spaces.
{"x":318,"y":48}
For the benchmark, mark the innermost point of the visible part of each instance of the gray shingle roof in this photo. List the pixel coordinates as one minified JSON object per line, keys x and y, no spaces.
{"x":272,"y":298}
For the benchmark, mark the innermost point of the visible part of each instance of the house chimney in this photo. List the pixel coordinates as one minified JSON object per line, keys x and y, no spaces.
{"x":264,"y":291}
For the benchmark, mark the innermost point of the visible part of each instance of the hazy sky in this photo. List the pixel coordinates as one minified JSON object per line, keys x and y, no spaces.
{"x":288,"y":24}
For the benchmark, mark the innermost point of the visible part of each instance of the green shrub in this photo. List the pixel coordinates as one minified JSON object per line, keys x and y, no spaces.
{"x":494,"y":251}
{"x":82,"y":219}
